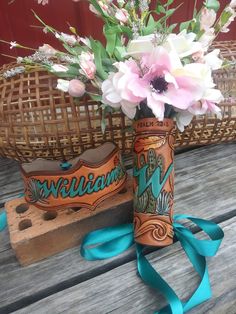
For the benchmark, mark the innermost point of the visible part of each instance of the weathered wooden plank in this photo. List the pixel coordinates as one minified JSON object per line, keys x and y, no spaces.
{"x":205,"y":186}
{"x":121,"y":290}
{"x":11,"y":183}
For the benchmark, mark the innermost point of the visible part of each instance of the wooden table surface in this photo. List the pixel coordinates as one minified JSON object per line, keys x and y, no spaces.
{"x":65,"y":283}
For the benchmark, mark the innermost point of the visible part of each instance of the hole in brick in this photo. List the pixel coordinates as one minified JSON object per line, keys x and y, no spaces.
{"x":123,"y":191}
{"x":25,"y":224}
{"x":22,"y":208}
{"x":76,"y":209}
{"x":49,"y":215}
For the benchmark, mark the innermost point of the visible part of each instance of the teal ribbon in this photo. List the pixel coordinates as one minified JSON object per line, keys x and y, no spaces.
{"x":109,"y":242}
{"x":65,"y":165}
{"x":3,"y":220}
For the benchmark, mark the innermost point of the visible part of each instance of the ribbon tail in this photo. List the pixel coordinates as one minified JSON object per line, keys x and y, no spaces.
{"x":152,"y":278}
{"x":3,"y":220}
{"x":108,"y":242}
{"x":203,"y":291}
{"x":196,"y":251}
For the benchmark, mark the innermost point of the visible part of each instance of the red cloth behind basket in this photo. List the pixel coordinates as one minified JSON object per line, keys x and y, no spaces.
{"x":16,"y":21}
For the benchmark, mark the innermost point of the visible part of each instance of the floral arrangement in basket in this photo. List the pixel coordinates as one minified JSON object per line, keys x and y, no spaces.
{"x":148,"y":67}
{"x":156,"y":73}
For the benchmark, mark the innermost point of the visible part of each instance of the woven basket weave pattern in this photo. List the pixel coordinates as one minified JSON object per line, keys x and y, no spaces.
{"x":37,"y":120}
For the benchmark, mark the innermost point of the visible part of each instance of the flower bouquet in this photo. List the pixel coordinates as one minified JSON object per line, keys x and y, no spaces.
{"x":158,"y":74}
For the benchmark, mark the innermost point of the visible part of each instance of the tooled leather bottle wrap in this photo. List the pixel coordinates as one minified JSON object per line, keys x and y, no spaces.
{"x":153,"y":181}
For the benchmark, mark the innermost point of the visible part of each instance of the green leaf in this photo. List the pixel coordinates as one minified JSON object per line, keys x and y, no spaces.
{"x":151,"y":26}
{"x":185,"y":25}
{"x":70,"y":49}
{"x":95,"y":97}
{"x":160,"y":9}
{"x":225,"y":16}
{"x":212,"y":4}
{"x":120,"y":53}
{"x":169,"y":2}
{"x":99,"y":53}
{"x":170,"y":12}
{"x":111,"y":37}
{"x":172,"y":27}
{"x":73,"y":70}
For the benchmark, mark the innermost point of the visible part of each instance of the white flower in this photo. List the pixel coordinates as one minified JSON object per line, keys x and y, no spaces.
{"x":69,"y":39}
{"x":212,"y":59}
{"x":45,"y":30}
{"x":141,"y":45}
{"x":183,"y":119}
{"x":85,"y":41}
{"x":213,"y":95}
{"x":13,"y":44}
{"x":210,"y":98}
{"x":19,"y":60}
{"x":48,"y":50}
{"x":201,"y":73}
{"x":122,"y":15}
{"x":183,"y":44}
{"x":207,"y":38}
{"x":232,"y":4}
{"x":63,"y":85}
{"x":59,"y":68}
{"x":207,"y":18}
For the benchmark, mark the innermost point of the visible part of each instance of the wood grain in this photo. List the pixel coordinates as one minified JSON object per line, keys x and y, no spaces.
{"x":205,"y":187}
{"x":11,"y":183}
{"x":122,"y":291}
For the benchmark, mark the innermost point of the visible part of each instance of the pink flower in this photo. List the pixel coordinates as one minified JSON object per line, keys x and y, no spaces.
{"x":204,"y":106}
{"x":88,"y":67}
{"x":207,"y":18}
{"x":232,"y":4}
{"x":48,"y":50}
{"x":211,"y":59}
{"x":207,"y":103}
{"x":43,"y":2}
{"x":160,"y":79}
{"x":116,"y":92}
{"x":93,"y":10}
{"x":122,"y":15}
{"x":69,"y":39}
{"x":76,"y":88}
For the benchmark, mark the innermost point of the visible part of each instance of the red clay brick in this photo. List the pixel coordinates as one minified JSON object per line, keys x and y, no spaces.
{"x":36,"y":234}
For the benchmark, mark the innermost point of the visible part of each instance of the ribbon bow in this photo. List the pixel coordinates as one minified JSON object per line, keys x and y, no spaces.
{"x":109,"y":242}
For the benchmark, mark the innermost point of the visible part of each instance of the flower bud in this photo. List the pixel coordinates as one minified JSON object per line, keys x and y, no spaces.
{"x":76,"y":88}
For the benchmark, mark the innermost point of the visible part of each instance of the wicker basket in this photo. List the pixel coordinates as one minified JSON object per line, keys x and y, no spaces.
{"x":37,"y":120}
